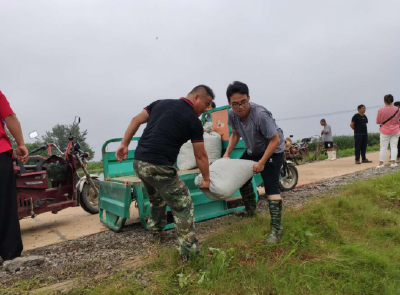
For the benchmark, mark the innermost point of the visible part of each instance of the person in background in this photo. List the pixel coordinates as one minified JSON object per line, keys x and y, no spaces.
{"x":10,"y":233}
{"x":388,"y":119}
{"x":397,"y":104}
{"x":327,"y":138}
{"x":212,"y":106}
{"x":359,"y":125}
{"x":208,"y":116}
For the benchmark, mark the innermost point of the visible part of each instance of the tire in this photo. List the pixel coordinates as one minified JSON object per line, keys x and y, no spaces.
{"x":301,"y":158}
{"x":316,"y":155}
{"x":89,"y":202}
{"x":337,"y":150}
{"x":306,"y":151}
{"x":289,"y":182}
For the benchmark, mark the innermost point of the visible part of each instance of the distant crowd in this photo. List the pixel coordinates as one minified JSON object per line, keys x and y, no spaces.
{"x":388,"y":119}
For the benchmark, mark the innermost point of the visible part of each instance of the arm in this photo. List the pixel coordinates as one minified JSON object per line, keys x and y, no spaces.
{"x":326,"y":132}
{"x":122,"y":151}
{"x":202,"y":162}
{"x":353,"y":121}
{"x":273,"y":144}
{"x":233,"y":140}
{"x":14,"y":126}
{"x":378,"y":118}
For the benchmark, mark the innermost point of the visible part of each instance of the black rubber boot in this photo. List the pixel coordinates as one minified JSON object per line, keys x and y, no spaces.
{"x":249,"y":200}
{"x":275,"y":210}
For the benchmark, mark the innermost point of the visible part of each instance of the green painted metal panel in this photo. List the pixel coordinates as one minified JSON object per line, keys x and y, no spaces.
{"x":115,"y":198}
{"x":111,"y":167}
{"x":114,"y":202}
{"x":258,"y":179}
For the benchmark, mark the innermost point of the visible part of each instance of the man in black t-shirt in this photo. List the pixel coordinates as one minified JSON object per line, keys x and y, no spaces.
{"x":359,"y":125}
{"x":170,"y":123}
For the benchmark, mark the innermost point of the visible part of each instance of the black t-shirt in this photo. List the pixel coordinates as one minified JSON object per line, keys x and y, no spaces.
{"x":172,"y":122}
{"x":360,"y":124}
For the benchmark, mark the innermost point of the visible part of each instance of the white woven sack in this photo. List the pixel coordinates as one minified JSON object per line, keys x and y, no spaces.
{"x":213,"y":145}
{"x":186,"y":159}
{"x":208,"y":127}
{"x":226,"y":177}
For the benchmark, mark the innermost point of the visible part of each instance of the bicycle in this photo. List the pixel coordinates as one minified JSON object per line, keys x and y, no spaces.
{"x":321,"y":149}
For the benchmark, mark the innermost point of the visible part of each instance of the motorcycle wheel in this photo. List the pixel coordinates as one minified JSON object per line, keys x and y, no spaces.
{"x":289,"y":182}
{"x":337,"y":150}
{"x":304,"y":156}
{"x":316,"y":155}
{"x":301,"y":158}
{"x":89,"y":200}
{"x":306,"y":151}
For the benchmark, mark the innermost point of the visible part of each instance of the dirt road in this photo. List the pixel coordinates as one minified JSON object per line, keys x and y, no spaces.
{"x":73,"y":223}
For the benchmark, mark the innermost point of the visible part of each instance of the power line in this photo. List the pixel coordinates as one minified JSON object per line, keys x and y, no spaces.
{"x":323,"y":115}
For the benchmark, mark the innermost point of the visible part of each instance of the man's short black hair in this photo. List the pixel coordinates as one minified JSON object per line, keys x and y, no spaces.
{"x":397,"y":103}
{"x":201,"y":88}
{"x":236,"y":87}
{"x":323,"y":120}
{"x":213,"y":105}
{"x":360,"y":107}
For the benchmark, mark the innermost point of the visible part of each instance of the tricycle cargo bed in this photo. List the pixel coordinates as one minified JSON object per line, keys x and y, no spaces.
{"x":133,"y":179}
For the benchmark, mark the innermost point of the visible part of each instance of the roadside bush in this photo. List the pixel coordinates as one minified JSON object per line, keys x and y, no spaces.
{"x":347,"y":141}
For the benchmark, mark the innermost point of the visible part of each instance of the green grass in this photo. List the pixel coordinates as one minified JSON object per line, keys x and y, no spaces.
{"x":345,"y":244}
{"x":93,"y":168}
{"x":95,"y":165}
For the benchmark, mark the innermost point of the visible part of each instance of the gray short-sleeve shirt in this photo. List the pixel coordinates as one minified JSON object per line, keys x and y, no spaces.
{"x":257,"y":130}
{"x":327,"y":137}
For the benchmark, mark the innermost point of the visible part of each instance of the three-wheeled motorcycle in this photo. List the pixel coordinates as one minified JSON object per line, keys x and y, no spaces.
{"x":52,"y":184}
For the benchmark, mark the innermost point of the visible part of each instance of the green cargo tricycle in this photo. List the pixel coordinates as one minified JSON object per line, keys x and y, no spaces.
{"x":121,"y":187}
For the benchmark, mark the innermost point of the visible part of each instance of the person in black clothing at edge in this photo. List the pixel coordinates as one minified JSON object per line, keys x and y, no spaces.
{"x":10,"y":233}
{"x":359,"y":125}
{"x":170,"y":123}
{"x":265,"y":145}
{"x":397,"y":104}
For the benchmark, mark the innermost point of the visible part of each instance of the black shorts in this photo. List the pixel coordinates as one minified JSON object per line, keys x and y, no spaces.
{"x":271,"y":172}
{"x":328,"y":144}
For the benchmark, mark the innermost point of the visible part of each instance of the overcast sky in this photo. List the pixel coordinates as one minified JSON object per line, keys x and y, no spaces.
{"x":102,"y":61}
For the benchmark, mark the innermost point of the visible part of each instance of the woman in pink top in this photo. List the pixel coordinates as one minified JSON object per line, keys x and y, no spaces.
{"x":388,"y":119}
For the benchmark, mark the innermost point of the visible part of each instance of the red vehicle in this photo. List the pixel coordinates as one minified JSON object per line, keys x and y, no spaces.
{"x":295,"y":152}
{"x":50,"y":184}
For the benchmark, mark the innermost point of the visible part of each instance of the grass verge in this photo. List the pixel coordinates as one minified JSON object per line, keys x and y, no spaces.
{"x":346,"y":244}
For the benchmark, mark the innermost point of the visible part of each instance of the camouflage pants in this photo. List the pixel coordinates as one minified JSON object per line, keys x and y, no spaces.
{"x":164,"y":187}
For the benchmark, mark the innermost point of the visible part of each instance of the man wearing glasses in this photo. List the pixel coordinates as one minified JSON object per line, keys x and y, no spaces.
{"x":265,"y":145}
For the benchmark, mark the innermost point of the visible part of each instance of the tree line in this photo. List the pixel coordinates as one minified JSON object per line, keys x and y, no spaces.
{"x":58,"y":135}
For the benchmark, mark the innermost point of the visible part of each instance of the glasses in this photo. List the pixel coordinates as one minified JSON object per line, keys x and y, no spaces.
{"x":243,"y":103}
